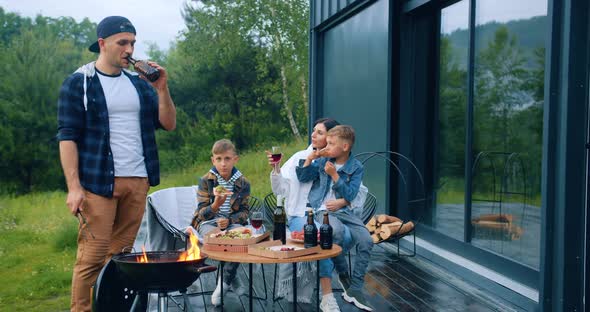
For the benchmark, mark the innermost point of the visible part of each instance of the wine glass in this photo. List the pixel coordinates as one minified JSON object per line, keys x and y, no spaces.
{"x":256,"y":221}
{"x":276,"y":156}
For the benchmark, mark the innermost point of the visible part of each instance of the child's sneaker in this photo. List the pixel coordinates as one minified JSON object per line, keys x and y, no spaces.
{"x":329,"y":304}
{"x":216,"y":296}
{"x":357,"y":298}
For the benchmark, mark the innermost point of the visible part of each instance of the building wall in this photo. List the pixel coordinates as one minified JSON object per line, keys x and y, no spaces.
{"x":354,"y":76}
{"x":376,"y":67}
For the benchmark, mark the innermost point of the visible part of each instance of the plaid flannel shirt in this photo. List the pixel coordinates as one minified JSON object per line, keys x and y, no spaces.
{"x":88,"y":127}
{"x":239,"y":201}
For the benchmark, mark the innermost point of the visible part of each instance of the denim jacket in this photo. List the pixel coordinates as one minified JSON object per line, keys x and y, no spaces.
{"x":347,"y":187}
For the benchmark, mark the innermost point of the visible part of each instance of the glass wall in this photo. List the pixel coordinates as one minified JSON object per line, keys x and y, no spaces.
{"x":449,"y":207}
{"x":507,"y":126}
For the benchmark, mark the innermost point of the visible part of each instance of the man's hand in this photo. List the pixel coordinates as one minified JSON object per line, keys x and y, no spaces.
{"x":331,"y":171}
{"x":75,"y":199}
{"x":222,"y":223}
{"x":162,"y":82}
{"x":334,"y":205}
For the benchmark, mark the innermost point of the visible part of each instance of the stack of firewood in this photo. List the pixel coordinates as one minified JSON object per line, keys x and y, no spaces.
{"x":384,"y":227}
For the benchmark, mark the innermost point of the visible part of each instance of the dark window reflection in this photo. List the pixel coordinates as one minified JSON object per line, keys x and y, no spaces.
{"x":448,"y":214}
{"x":508,"y":129}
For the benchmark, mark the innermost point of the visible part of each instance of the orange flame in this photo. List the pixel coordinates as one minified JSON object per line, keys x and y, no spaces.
{"x":143,"y":258}
{"x":193,"y":253}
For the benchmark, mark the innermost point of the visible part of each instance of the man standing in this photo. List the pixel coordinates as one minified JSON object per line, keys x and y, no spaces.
{"x":107,"y":117}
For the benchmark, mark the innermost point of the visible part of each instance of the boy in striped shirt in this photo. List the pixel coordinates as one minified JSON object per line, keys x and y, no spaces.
{"x":223,"y":204}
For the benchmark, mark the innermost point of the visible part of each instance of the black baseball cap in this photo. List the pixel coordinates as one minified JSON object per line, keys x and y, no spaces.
{"x":109,"y":26}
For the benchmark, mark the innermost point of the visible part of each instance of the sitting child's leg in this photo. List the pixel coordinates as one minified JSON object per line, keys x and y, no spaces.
{"x":340,"y":236}
{"x":361,"y":238}
{"x":229,"y":268}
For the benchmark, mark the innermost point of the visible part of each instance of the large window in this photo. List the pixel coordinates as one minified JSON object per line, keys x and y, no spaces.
{"x":450,"y":197}
{"x":494,"y":140}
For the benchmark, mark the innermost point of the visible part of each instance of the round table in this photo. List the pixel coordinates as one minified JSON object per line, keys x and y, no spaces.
{"x":240,"y":257}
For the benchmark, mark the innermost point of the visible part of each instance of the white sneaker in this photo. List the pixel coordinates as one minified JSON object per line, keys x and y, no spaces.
{"x":216,"y":296}
{"x":238,"y":287}
{"x":329,"y":304}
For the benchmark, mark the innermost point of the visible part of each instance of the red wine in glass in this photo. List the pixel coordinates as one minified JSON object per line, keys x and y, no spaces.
{"x":256,"y":223}
{"x":276,"y":157}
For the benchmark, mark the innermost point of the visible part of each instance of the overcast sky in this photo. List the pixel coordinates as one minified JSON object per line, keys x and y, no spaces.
{"x":158,"y":21}
{"x":456,"y":16}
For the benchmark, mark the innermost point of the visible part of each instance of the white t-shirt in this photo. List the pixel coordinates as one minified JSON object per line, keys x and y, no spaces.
{"x":124,"y":125}
{"x":330,"y":195}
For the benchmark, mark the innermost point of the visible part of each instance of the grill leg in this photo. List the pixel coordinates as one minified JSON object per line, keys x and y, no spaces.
{"x":187,"y":303}
{"x":162,"y":302}
{"x":294,"y":286}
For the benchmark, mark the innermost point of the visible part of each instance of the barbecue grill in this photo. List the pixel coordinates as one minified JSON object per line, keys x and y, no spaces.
{"x":124,"y":283}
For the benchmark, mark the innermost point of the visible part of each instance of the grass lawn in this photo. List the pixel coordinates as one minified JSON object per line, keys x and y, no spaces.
{"x":38,"y":236}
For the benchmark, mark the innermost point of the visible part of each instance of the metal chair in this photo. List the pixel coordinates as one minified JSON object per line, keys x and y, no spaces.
{"x":270,"y":203}
{"x":399,"y":161}
{"x":168,"y":212}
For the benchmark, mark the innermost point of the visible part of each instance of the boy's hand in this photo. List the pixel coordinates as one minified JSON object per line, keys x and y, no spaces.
{"x":219,"y":199}
{"x":221,"y":192}
{"x":222,"y":223}
{"x":334,"y":205}
{"x":331,"y":171}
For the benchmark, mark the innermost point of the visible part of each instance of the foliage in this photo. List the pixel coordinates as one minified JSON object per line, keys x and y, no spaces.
{"x":34,"y":61}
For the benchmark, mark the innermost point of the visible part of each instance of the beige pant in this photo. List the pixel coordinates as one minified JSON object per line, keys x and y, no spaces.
{"x":114,"y":222}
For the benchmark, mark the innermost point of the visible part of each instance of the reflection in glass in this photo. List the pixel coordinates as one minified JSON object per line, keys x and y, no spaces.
{"x":448,"y":214}
{"x":508,"y":131}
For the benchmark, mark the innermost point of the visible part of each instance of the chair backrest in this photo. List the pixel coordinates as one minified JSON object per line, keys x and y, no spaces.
{"x":270,"y":203}
{"x":255,"y":203}
{"x":169,"y":212}
{"x":399,"y":161}
{"x":369,"y":208}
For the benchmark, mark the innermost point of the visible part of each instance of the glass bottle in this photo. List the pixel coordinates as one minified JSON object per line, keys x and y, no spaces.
{"x":310,"y":231}
{"x":326,"y":233}
{"x":152,"y":74}
{"x":280,"y":220}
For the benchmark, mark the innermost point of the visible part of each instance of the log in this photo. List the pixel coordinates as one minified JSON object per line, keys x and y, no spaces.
{"x":376,"y":238}
{"x":371,"y":228}
{"x":505,"y":218}
{"x":382,"y":219}
{"x":393,"y":229}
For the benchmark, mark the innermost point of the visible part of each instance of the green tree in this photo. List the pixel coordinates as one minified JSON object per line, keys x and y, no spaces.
{"x":34,"y":62}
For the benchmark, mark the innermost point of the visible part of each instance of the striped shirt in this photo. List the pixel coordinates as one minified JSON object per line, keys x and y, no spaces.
{"x":225,"y":208}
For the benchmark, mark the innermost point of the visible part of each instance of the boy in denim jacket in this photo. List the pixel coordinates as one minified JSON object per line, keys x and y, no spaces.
{"x":336,"y":175}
